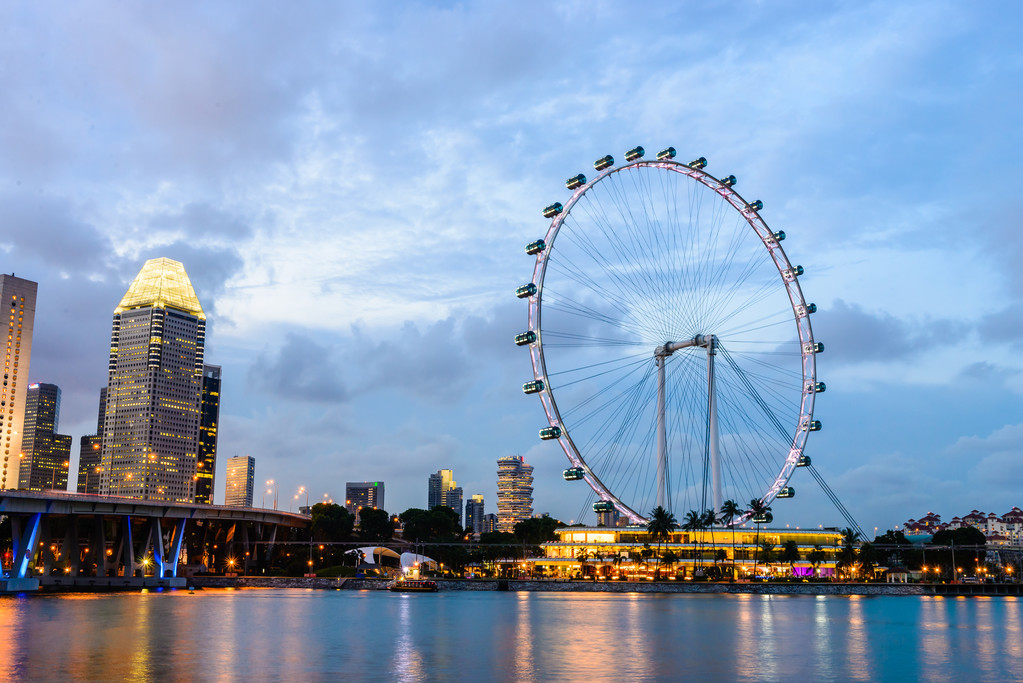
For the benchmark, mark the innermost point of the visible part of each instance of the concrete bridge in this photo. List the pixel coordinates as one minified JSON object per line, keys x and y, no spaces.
{"x":92,"y":539}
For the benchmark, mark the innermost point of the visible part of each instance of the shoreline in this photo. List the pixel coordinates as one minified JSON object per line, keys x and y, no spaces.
{"x":516,"y":585}
{"x":92,"y":585}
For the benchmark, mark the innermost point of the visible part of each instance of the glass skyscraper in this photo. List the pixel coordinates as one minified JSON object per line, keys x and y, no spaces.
{"x":240,"y":480}
{"x":45,"y":454}
{"x":17,"y":317}
{"x":209,"y":416}
{"x":150,"y":440}
{"x":444,"y":490}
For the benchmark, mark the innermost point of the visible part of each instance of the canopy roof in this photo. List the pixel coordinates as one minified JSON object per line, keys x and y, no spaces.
{"x":162,"y":283}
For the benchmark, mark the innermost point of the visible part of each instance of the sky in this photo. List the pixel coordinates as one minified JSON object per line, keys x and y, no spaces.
{"x":350,"y":187}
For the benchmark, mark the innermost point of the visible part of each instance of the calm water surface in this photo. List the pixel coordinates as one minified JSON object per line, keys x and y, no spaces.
{"x":378,"y":636}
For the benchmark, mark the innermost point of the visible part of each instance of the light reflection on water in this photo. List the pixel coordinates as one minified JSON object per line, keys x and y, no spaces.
{"x":320,"y":635}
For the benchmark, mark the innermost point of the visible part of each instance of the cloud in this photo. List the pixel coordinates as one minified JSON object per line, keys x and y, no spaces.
{"x":855,"y":335}
{"x":51,"y":232}
{"x":301,"y":370}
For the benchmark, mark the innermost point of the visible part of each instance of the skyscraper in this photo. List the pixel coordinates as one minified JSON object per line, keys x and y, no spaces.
{"x":90,"y":458}
{"x":474,"y":514}
{"x":46,"y":454}
{"x":240,"y":480}
{"x":17,"y":317}
{"x":444,"y":490}
{"x":363,"y":494}
{"x":514,"y":492}
{"x":209,"y":416}
{"x":151,"y":429}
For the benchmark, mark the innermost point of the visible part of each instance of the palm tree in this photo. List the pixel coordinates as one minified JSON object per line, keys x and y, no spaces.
{"x":847,"y":556}
{"x":616,"y":562}
{"x":756,"y":508}
{"x":729,"y":511}
{"x":867,"y":557}
{"x":790,"y":555}
{"x":693,"y":520}
{"x":815,"y":557}
{"x":662,"y":523}
{"x":581,"y":557}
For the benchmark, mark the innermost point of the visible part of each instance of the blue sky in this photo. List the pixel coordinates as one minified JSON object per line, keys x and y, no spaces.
{"x":350,"y":187}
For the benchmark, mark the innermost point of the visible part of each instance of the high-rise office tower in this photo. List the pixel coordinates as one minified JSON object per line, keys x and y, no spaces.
{"x":444,"y":490}
{"x":474,"y":514}
{"x":240,"y":480}
{"x":363,"y":494}
{"x":489,"y":523}
{"x":514,"y":492}
{"x":46,"y":454}
{"x":209,"y":416}
{"x":17,"y":317}
{"x":90,"y":458}
{"x":151,"y":428}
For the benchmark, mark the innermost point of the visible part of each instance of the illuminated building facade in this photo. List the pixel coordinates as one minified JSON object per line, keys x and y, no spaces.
{"x":475,"y":517}
{"x":44,"y":453}
{"x":209,"y":416}
{"x":90,"y":457}
{"x":633,"y":553}
{"x":150,"y":440}
{"x":514,"y":492}
{"x":240,"y":481}
{"x":17,"y":317}
{"x":363,"y":494}
{"x":444,"y":490}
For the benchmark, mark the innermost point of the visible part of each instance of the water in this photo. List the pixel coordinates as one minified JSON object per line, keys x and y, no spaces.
{"x":379,"y":636}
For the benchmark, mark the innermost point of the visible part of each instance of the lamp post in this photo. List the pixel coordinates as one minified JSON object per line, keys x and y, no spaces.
{"x":276,"y":490}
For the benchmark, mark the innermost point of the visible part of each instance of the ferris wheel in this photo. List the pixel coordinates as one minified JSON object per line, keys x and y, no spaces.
{"x":670,"y":341}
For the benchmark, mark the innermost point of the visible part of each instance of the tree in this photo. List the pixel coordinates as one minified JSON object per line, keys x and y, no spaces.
{"x":331,"y":523}
{"x":847,"y":555}
{"x":756,"y":508}
{"x":964,"y":535}
{"x":867,"y":558}
{"x":693,"y":520}
{"x":537,"y":530}
{"x":767,"y":552}
{"x":661,"y":525}
{"x":815,"y":557}
{"x":790,"y":555}
{"x":375,"y":525}
{"x":729,"y":511}
{"x":437,"y":524}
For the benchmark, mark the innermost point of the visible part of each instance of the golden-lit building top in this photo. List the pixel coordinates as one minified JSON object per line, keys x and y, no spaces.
{"x":162,"y":283}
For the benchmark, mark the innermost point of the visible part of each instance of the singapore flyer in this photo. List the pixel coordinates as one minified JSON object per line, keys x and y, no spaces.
{"x":670,"y":340}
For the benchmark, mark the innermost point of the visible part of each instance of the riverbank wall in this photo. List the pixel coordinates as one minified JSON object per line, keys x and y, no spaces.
{"x":513,"y":585}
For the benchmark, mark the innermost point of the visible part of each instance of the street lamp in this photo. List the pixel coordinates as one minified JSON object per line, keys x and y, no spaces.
{"x":276,"y":490}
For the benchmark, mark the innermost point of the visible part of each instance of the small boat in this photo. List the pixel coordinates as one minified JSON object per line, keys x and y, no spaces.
{"x":411,"y":586}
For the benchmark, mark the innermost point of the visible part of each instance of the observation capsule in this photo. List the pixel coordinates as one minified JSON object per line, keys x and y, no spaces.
{"x":803,"y":461}
{"x":698,"y":163}
{"x":728,"y":181}
{"x":525,"y":338}
{"x":778,"y":236}
{"x":604,"y":162}
{"x":575,"y":181}
{"x":807,"y":309}
{"x":816,"y":347}
{"x":635,"y":153}
{"x":548,"y":433}
{"x":526,"y":291}
{"x":603,"y":506}
{"x":793,"y":272}
{"x":536,"y":247}
{"x":756,"y":205}
{"x":532,"y":387}
{"x":573,"y":474}
{"x":666,"y":154}
{"x":552,"y":210}
{"x":787,"y":492}
{"x":816,"y":387}
{"x":763,"y":518}
{"x":812,"y":426}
